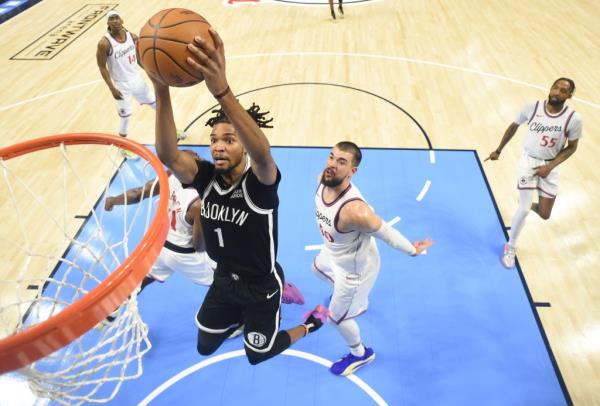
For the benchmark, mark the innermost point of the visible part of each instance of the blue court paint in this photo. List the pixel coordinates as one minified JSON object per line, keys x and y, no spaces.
{"x":452,"y":327}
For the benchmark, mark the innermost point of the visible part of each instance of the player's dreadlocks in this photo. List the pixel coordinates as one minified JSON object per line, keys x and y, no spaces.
{"x":254,"y":111}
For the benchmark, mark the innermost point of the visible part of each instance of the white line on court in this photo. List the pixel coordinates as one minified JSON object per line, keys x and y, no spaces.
{"x":43,"y":96}
{"x":394,"y":221}
{"x":356,"y":55}
{"x":432,"y":157}
{"x":314,"y":247}
{"x":241,"y":353}
{"x":424,"y":190}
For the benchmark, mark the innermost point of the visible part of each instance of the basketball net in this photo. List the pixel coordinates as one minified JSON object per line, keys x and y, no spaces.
{"x":69,"y":266}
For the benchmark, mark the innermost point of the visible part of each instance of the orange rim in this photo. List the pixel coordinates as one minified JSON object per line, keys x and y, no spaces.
{"x":59,"y":330}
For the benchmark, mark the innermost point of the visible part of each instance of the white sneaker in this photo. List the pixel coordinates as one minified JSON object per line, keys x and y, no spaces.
{"x":508,"y":257}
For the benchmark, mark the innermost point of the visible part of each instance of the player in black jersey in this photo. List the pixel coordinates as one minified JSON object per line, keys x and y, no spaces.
{"x":239,"y":215}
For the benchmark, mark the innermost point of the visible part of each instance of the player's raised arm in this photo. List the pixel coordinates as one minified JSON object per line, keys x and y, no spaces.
{"x":211,"y":63}
{"x":183,"y":165}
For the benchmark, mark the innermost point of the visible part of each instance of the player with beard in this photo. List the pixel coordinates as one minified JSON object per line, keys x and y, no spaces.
{"x":239,"y":214}
{"x":349,"y":260}
{"x":551,"y":125}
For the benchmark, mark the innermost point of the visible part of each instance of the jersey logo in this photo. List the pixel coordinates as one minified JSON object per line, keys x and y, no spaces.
{"x":270,"y":295}
{"x":256,"y":339}
{"x":237,"y":194}
{"x":217,"y":212}
{"x":322,"y":217}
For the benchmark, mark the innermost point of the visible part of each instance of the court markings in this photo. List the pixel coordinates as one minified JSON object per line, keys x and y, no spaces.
{"x":424,"y":190}
{"x":331,"y":54}
{"x":241,"y":353}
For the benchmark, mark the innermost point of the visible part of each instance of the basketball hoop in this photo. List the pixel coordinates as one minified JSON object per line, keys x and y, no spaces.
{"x":29,"y":342}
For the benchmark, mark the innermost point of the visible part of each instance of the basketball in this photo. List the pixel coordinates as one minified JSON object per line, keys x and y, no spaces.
{"x":162,"y":45}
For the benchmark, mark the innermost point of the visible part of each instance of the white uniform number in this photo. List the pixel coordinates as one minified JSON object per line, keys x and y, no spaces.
{"x":220,"y":235}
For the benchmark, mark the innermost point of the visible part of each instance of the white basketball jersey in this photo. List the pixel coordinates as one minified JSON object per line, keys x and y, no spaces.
{"x":122,"y":60}
{"x":180,"y":231}
{"x":547,"y":133}
{"x":337,"y":242}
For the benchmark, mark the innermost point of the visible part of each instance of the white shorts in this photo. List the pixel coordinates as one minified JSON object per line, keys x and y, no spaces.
{"x":135,"y":88}
{"x":546,"y":187}
{"x":352,"y":278}
{"x":196,"y":266}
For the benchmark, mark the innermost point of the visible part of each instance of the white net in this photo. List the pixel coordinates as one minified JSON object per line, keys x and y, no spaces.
{"x":55,"y":250}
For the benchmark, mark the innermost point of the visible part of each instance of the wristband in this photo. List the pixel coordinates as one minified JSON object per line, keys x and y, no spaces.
{"x":222,"y":94}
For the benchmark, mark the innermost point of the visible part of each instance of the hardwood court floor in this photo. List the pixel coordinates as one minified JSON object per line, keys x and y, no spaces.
{"x":462,"y":69}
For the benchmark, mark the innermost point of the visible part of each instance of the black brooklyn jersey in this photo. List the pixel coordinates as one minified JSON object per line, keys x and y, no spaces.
{"x":239,"y":221}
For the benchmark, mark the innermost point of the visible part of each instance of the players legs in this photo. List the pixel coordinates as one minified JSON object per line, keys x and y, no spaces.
{"x":331,"y":8}
{"x":544,"y":207}
{"x":349,"y":300}
{"x":547,"y":189}
{"x":517,"y":224}
{"x":217,"y":319}
{"x":528,"y":182}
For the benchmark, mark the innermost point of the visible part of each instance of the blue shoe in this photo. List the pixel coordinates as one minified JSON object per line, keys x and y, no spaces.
{"x":350,"y":363}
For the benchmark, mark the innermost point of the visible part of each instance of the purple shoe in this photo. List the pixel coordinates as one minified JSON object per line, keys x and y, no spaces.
{"x":291,"y":294}
{"x":350,"y":363}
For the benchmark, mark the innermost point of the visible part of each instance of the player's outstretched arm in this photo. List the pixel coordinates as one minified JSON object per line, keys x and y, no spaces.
{"x":357,"y":215}
{"x":134,"y":195}
{"x":508,"y":134}
{"x":211,"y":63}
{"x":182,"y":165}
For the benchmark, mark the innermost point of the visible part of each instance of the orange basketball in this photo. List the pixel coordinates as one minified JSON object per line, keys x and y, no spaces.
{"x":162,"y":45}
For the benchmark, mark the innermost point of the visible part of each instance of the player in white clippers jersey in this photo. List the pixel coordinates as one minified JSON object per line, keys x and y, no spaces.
{"x":117,"y":60}
{"x":550,"y":125}
{"x":350,"y":259}
{"x":183,"y":249}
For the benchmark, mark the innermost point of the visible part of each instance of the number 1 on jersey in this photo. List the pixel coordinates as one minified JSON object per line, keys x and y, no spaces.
{"x":220,"y":235}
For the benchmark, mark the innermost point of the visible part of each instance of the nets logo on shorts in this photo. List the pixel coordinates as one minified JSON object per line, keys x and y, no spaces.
{"x":256,"y":339}
{"x":523,"y":180}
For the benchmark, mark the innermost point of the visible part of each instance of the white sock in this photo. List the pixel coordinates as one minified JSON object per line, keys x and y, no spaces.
{"x":351,"y":334}
{"x":358,"y":350}
{"x":518,"y":220}
{"x":123,"y":126}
